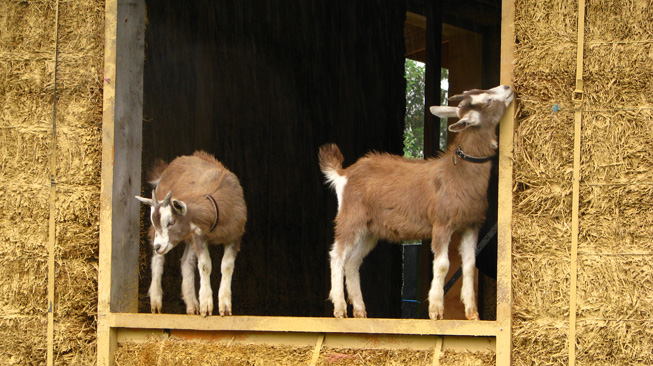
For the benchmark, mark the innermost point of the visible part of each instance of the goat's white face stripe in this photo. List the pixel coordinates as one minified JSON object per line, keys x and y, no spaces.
{"x":161,"y":236}
{"x":480,"y":99}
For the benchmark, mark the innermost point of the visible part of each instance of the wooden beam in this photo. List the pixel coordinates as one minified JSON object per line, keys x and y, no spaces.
{"x":305,"y":324}
{"x":318,"y":340}
{"x":504,"y":218}
{"x":121,"y":167}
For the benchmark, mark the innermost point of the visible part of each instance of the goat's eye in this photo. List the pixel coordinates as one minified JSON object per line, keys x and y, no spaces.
{"x":170,"y":223}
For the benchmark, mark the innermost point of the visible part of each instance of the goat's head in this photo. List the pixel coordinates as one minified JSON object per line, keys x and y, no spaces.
{"x":477,"y":107}
{"x":169,"y":221}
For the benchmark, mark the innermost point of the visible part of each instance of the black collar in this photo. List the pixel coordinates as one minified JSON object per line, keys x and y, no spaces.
{"x":472,"y":159}
{"x":217,"y":211}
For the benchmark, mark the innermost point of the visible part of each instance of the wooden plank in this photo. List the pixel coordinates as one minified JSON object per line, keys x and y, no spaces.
{"x":305,"y":324}
{"x":121,"y":166}
{"x":105,"y":339}
{"x":504,"y":218}
{"x":577,"y":97}
{"x":52,"y":241}
{"x":317,"y":340}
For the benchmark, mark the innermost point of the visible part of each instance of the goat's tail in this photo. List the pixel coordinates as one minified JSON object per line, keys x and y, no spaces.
{"x":331,"y":162}
{"x":154,"y":175}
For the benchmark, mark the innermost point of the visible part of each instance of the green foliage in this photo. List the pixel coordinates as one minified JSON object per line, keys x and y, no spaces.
{"x":414,"y":119}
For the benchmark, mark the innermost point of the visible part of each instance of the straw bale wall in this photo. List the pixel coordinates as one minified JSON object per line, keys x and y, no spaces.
{"x":27,"y":66}
{"x":614,"y":290}
{"x":175,"y":351}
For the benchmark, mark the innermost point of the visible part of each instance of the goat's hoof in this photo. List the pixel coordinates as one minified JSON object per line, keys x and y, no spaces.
{"x":225,"y":310}
{"x":206,"y":309}
{"x":155,"y":307}
{"x":436,"y":312}
{"x":339,"y":314}
{"x":436,"y":316}
{"x":472,"y":315}
{"x":360,"y":314}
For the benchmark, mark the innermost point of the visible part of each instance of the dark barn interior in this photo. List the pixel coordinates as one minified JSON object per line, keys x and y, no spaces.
{"x":261,"y":85}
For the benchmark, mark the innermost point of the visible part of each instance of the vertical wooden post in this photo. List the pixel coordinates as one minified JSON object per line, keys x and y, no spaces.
{"x":431,"y":128}
{"x":121,"y":167}
{"x":577,"y":98}
{"x":504,"y":215}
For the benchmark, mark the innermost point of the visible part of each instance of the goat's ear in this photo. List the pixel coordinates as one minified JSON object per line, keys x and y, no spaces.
{"x":460,"y":125}
{"x":444,"y":111}
{"x":144,"y":200}
{"x":179,"y":207}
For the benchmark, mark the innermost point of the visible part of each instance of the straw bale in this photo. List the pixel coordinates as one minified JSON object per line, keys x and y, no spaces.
{"x":625,"y":289}
{"x":545,"y":22}
{"x":27,"y":50}
{"x":614,"y":219}
{"x":614,"y":342}
{"x":541,"y":234}
{"x":617,"y":62}
{"x":540,"y":288}
{"x":343,"y":356}
{"x":627,"y":20}
{"x":455,"y":358}
{"x":24,"y":154}
{"x":543,"y":146}
{"x":540,"y":342}
{"x":22,"y":339}
{"x":199,"y":352}
{"x":615,"y":90}
{"x":544,"y":62}
{"x":617,"y":147}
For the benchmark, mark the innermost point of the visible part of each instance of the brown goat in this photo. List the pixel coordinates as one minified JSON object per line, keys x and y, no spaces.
{"x":384,"y":196}
{"x":198,"y":201}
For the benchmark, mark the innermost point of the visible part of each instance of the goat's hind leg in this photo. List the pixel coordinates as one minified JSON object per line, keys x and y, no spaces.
{"x":468,"y":241}
{"x":188,"y":265}
{"x":364,"y":244}
{"x":440,"y":247}
{"x":338,"y":255}
{"x":227,"y":269}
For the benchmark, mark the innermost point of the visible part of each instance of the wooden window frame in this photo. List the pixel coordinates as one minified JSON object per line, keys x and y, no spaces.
{"x":118,"y":317}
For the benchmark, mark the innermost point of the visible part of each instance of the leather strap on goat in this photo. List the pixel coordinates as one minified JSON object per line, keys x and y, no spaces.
{"x":472,"y":159}
{"x":577,"y":98}
{"x":217,"y":211}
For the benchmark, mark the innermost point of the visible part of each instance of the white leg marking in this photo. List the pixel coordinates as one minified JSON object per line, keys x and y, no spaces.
{"x":227,"y":269}
{"x":156,"y":292}
{"x":204,"y":266}
{"x":364,"y":244}
{"x":337,"y":294}
{"x":467,"y":250}
{"x":188,"y":262}
{"x":440,"y":269}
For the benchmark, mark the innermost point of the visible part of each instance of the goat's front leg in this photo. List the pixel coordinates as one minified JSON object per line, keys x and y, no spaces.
{"x":204,"y":265}
{"x":188,"y":262}
{"x":227,"y":270}
{"x":440,"y":247}
{"x":156,"y":292}
{"x":467,"y":250}
{"x":364,"y":244}
{"x":338,"y":255}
